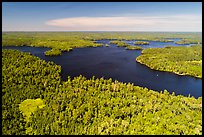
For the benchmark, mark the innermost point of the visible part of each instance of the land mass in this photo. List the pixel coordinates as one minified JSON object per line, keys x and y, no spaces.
{"x":66,"y":41}
{"x":36,"y":102}
{"x":180,"y":60}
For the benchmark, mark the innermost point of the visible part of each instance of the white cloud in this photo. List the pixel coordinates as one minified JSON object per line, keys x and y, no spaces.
{"x":124,"y":23}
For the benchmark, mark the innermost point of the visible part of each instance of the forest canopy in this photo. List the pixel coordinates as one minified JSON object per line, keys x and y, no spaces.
{"x":180,"y":60}
{"x":87,"y":106}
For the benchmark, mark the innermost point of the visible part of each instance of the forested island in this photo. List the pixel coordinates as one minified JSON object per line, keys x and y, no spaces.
{"x":119,"y":43}
{"x":141,"y":43}
{"x":164,"y":40}
{"x":36,"y":102}
{"x":179,"y":60}
{"x":134,"y":48}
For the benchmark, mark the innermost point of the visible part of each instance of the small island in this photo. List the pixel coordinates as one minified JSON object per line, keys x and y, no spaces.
{"x":141,"y":43}
{"x":53,"y":52}
{"x":56,"y":52}
{"x":106,"y":45}
{"x":164,"y":40}
{"x":120,"y":43}
{"x":134,"y":48}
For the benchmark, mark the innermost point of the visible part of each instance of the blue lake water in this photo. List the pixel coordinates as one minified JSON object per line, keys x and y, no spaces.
{"x":119,"y":64}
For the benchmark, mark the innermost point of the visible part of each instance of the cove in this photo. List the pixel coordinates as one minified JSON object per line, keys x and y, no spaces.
{"x":119,"y":64}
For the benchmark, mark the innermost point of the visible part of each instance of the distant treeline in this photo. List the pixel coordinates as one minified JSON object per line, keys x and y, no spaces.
{"x":66,"y":41}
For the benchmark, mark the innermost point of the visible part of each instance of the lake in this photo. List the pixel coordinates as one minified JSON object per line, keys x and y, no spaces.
{"x":119,"y":64}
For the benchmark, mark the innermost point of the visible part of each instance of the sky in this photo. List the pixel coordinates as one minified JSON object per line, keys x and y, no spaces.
{"x":102,"y":16}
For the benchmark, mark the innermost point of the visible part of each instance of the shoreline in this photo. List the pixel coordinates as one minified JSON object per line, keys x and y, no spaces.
{"x":167,"y":71}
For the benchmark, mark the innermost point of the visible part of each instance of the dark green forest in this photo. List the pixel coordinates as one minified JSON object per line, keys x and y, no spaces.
{"x":36,"y":102}
{"x":180,"y":60}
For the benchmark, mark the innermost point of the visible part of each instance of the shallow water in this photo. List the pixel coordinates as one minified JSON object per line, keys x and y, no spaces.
{"x":119,"y":64}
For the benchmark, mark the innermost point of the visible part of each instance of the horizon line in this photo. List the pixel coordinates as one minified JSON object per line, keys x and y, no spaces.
{"x":94,"y":31}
